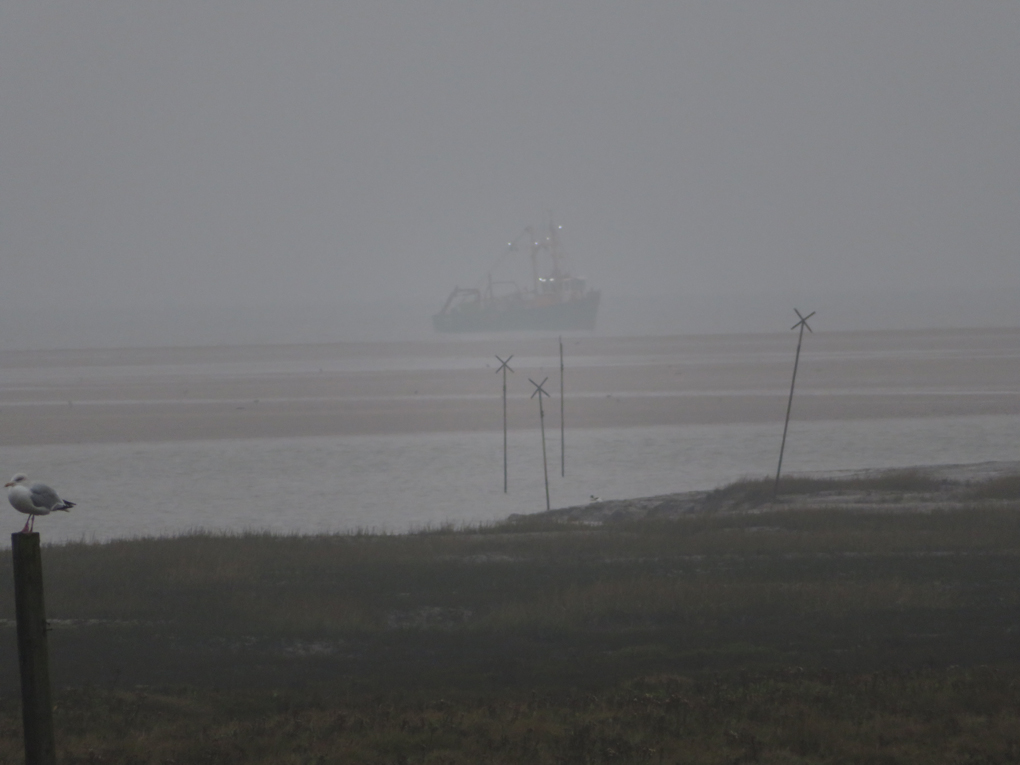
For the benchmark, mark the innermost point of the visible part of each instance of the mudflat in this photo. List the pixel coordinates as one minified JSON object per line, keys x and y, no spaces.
{"x":75,"y":396}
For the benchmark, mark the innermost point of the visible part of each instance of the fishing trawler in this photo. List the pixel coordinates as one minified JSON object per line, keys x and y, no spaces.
{"x":555,"y":300}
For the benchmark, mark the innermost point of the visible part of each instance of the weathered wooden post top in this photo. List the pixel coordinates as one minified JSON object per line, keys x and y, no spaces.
{"x":33,"y":653}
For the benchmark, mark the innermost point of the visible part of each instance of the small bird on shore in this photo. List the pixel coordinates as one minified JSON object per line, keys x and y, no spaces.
{"x":37,"y":499}
{"x":592,"y":499}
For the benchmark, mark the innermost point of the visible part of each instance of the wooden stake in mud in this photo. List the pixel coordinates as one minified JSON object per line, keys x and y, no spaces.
{"x":33,"y":654}
{"x":503,"y":367}
{"x":540,"y":391}
{"x":802,"y":324}
{"x":563,"y":441}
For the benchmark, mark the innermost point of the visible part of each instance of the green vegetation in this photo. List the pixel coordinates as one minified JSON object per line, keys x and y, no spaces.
{"x":754,"y":492}
{"x":1003,"y":487}
{"x":775,"y":635}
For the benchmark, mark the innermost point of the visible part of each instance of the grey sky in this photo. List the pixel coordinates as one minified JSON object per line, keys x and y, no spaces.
{"x":247,"y":153}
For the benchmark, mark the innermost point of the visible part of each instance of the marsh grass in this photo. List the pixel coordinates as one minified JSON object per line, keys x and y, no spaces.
{"x":790,"y":715}
{"x":711,"y":579}
{"x":754,"y":492}
{"x":551,"y":642}
{"x":1003,"y":487}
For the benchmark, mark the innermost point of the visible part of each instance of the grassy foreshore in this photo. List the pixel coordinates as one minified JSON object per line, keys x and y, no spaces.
{"x":729,"y":629}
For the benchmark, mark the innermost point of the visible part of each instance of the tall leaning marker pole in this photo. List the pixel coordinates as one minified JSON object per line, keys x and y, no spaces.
{"x":789,"y":404}
{"x":33,"y":653}
{"x":503,"y":367}
{"x":540,"y":391}
{"x":563,"y":439}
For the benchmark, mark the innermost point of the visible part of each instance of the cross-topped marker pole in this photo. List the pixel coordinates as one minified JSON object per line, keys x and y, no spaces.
{"x":503,"y":367}
{"x":540,"y":391}
{"x":563,"y":440}
{"x":802,"y":324}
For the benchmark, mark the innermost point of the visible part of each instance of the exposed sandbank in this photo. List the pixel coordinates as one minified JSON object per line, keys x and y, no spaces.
{"x":291,"y":391}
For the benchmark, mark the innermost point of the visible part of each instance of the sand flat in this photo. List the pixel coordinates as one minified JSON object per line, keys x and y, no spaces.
{"x":172,"y":394}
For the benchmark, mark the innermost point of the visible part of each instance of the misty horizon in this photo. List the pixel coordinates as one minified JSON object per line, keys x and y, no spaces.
{"x":171,"y":324}
{"x":191,"y":174}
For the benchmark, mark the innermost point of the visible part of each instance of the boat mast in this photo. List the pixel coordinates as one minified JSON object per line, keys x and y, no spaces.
{"x":554,"y":243}
{"x":535,"y":247}
{"x":555,"y":255}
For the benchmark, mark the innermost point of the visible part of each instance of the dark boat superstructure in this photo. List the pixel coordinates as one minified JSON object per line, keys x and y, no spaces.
{"x":556,"y":301}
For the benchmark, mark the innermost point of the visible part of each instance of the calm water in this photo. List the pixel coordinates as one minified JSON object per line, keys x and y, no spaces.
{"x":400,"y":482}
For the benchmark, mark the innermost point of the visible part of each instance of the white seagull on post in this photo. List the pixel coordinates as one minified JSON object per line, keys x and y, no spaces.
{"x":37,"y":499}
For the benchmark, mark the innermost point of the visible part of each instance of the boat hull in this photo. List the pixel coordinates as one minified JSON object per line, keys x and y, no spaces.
{"x":576,"y":314}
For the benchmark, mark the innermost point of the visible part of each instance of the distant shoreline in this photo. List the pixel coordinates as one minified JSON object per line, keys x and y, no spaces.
{"x":916,"y":489}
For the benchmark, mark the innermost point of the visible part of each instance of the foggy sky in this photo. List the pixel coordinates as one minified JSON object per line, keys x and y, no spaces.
{"x":192,"y":156}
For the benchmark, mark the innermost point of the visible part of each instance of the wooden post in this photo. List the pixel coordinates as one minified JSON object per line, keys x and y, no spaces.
{"x":505,"y":471}
{"x":33,"y":654}
{"x":545,"y":463}
{"x":563,"y":440}
{"x":789,"y":404}
{"x":503,"y":366}
{"x":540,"y":391}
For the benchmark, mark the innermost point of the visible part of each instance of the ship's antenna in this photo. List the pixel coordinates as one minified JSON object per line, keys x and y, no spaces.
{"x":535,"y":246}
{"x":511,"y":247}
{"x":554,"y":244}
{"x":503,"y":367}
{"x":802,"y":324}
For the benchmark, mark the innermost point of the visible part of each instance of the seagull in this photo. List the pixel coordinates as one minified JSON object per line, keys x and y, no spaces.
{"x":37,"y":499}
{"x":594,"y":499}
